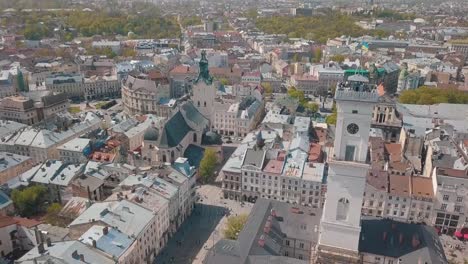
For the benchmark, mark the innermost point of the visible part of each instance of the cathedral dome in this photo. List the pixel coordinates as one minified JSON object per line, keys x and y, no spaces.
{"x":151,"y":134}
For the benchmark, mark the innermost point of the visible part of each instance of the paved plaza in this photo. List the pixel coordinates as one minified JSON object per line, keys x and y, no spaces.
{"x":202,"y":229}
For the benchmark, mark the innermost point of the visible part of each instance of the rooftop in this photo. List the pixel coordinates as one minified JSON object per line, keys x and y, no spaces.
{"x":410,"y":243}
{"x":76,"y":144}
{"x":107,"y":239}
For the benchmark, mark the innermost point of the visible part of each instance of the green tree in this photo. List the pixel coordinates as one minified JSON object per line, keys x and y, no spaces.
{"x":297,"y":94}
{"x":338,"y":58}
{"x":317,"y":55}
{"x":331,"y":119}
{"x":22,"y":85}
{"x":321,"y":27}
{"x":295,"y":58}
{"x":312,"y":107}
{"x":428,"y":95}
{"x":29,"y":201}
{"x":252,"y":14}
{"x":234,"y":226}
{"x":53,"y":215}
{"x":224,"y":81}
{"x":208,"y":165}
{"x":267,"y":88}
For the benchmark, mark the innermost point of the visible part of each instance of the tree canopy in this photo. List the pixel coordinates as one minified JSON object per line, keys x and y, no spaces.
{"x":208,"y":164}
{"x":319,"y":28}
{"x":52,"y":217}
{"x":29,"y":201}
{"x":146,"y":23}
{"x":190,"y":21}
{"x":234,"y":226}
{"x":426,"y":96}
{"x":331,"y":119}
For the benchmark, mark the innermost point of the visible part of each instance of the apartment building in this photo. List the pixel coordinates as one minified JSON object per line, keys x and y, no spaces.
{"x":237,"y":118}
{"x":267,"y":166}
{"x":78,"y":87}
{"x":32,"y":108}
{"x":73,"y":151}
{"x":41,"y":144}
{"x":121,"y":215}
{"x":12,"y":165}
{"x":146,"y":95}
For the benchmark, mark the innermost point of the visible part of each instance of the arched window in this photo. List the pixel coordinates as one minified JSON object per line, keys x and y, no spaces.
{"x":164,"y":158}
{"x":172,"y":156}
{"x":342,"y":209}
{"x":198,"y":103}
{"x":204,"y":104}
{"x":195,"y":137}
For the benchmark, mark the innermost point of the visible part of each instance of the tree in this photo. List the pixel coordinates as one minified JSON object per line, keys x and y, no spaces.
{"x":29,"y":201}
{"x":297,"y":94}
{"x":312,"y":107}
{"x":208,"y":164}
{"x":52,"y":217}
{"x":128,"y":52}
{"x":331,"y":119}
{"x":267,"y":88}
{"x":252,"y":14}
{"x":224,"y":81}
{"x":234,"y":226}
{"x":426,"y":96}
{"x":317,"y":55}
{"x":338,"y":58}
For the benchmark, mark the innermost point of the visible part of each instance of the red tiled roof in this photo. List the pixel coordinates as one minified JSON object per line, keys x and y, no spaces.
{"x":183,"y":69}
{"x":26,"y":222}
{"x":7,"y":221}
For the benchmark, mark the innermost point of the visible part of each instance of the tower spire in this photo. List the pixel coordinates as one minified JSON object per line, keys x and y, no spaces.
{"x":204,"y":73}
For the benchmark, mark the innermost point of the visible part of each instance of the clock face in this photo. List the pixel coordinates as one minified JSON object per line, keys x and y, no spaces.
{"x":352,"y":128}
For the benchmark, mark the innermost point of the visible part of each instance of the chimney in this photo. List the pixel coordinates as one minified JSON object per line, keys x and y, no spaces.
{"x":75,"y":254}
{"x":105,"y":230}
{"x":94,"y":243}
{"x":49,"y":242}
{"x":188,"y":68}
{"x":38,"y":235}
{"x":261,"y":241}
{"x":40,"y":248}
{"x":82,"y":258}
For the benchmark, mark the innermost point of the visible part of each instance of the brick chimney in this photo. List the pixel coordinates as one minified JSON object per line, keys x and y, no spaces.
{"x":105,"y":230}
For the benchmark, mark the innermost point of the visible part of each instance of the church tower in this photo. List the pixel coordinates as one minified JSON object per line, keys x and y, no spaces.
{"x":340,"y":226}
{"x":204,"y":90}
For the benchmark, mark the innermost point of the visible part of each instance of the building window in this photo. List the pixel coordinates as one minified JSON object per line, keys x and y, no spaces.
{"x":301,"y":245}
{"x":342,"y":209}
{"x":349,"y":153}
{"x":299,"y":256}
{"x":457,"y":208}
{"x":459,"y":199}
{"x":194,"y":137}
{"x":443,"y":207}
{"x":287,"y":242}
{"x":446,"y":197}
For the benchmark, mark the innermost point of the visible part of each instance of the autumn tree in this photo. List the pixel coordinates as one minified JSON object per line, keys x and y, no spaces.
{"x":234,"y":226}
{"x":208,"y":165}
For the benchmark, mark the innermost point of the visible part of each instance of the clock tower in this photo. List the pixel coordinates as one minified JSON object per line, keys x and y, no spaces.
{"x":340,"y":226}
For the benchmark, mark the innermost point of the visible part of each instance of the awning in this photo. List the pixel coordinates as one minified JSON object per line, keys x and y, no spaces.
{"x":458,"y":234}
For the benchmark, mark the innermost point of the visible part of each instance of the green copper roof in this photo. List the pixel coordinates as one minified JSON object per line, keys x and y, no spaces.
{"x":204,"y":73}
{"x":174,"y":131}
